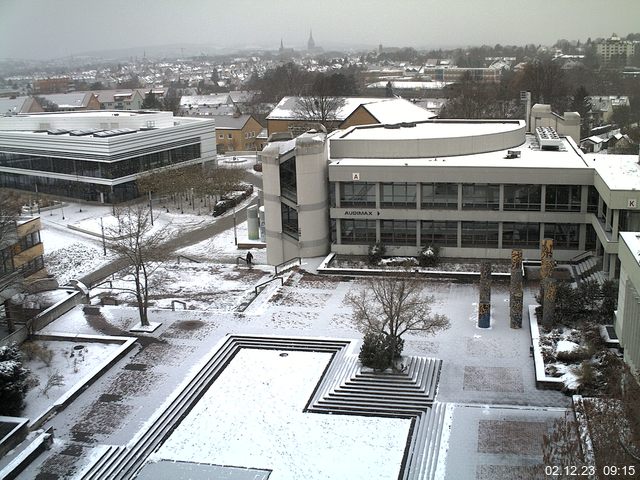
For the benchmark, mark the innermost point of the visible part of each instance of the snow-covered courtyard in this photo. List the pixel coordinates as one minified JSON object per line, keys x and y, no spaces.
{"x":254,"y":416}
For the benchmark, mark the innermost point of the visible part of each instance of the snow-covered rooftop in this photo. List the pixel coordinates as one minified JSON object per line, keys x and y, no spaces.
{"x":632,"y":239}
{"x":288,"y":106}
{"x":619,"y":172}
{"x":398,"y":110}
{"x":430,"y":130}
{"x":530,"y":157}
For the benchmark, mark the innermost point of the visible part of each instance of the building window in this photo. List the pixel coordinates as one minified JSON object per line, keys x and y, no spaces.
{"x":480,"y":234}
{"x":332,"y":194}
{"x":361,"y":232}
{"x":522,"y":197}
{"x":358,"y":194}
{"x":221,"y":136}
{"x":288,"y":181}
{"x":592,"y":199}
{"x":32,"y":266}
{"x":29,"y":240}
{"x":289,"y":220}
{"x":591,"y":239}
{"x":563,"y":198}
{"x":398,"y":232}
{"x":439,"y":196}
{"x":440,"y":234}
{"x":565,"y":235}
{"x":229,"y":136}
{"x":520,"y":235}
{"x":398,"y":195}
{"x":480,"y":196}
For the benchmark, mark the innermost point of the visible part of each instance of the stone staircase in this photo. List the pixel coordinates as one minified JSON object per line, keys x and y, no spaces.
{"x":588,"y":270}
{"x":345,"y":388}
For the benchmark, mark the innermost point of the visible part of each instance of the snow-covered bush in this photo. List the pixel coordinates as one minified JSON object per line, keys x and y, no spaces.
{"x":429,"y":256}
{"x":13,"y":381}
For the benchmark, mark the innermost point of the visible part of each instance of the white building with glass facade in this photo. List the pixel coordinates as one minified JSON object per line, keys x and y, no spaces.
{"x":97,"y":155}
{"x":476,"y":189}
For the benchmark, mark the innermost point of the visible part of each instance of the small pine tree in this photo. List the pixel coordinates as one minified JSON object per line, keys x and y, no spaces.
{"x":379,"y":351}
{"x":13,"y":381}
{"x":376,"y":252}
{"x":429,"y":256}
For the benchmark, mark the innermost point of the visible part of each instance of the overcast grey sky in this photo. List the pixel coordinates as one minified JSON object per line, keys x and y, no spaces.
{"x":55,"y":28}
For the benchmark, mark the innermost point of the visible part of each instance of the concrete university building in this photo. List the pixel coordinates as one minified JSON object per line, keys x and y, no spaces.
{"x":476,"y":189}
{"x":97,"y":155}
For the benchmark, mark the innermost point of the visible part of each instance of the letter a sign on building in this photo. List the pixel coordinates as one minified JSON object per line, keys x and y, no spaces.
{"x":355,"y":176}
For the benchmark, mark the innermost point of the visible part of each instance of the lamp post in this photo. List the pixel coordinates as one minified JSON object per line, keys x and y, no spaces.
{"x":104,"y":245}
{"x":151,"y":208}
{"x":235,"y":232}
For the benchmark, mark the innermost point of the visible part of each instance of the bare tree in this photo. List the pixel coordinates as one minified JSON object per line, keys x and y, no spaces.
{"x":393,"y":306}
{"x":206,"y":181}
{"x":11,"y":280}
{"x":320,"y":108}
{"x":135,"y":240}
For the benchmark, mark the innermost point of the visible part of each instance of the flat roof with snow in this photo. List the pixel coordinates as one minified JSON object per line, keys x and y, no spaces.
{"x":530,"y":157}
{"x":619,"y":172}
{"x":431,"y":129}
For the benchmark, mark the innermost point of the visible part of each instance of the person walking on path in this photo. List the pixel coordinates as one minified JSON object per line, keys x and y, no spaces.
{"x":249,"y":258}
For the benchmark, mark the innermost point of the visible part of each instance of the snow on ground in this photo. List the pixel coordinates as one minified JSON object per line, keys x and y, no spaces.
{"x":203,"y":286}
{"x":72,"y":368}
{"x":223,"y":244}
{"x":265,"y":426}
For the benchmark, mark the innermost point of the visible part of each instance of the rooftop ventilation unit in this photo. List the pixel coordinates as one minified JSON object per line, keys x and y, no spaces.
{"x":83,"y":133}
{"x":513,"y":154}
{"x":114,"y":133}
{"x":548,"y":138}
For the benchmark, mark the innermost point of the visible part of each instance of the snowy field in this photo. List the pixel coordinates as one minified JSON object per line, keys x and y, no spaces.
{"x":265,"y":426}
{"x":73,"y":364}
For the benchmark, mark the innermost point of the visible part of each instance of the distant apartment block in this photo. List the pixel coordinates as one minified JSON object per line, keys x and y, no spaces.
{"x":614,"y":48}
{"x":52,"y":85}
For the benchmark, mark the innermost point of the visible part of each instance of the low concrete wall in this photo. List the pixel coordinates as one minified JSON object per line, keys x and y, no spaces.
{"x":19,"y":336}
{"x":53,"y":312}
{"x":22,"y":461}
{"x":63,"y":401}
{"x":15,"y":436}
{"x":542,"y":380}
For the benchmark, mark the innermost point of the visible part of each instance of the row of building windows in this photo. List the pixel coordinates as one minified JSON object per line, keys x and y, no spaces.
{"x":478,"y":196}
{"x":71,"y":188}
{"x":473,"y":234}
{"x":111,"y":170}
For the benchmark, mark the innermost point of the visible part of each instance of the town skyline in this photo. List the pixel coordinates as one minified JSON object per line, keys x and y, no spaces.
{"x":73,"y":28}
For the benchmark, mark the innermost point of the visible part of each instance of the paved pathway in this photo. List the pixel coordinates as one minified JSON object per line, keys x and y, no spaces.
{"x":183,"y":240}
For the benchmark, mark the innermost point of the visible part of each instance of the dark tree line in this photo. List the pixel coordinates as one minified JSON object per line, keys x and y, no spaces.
{"x":291,"y":80}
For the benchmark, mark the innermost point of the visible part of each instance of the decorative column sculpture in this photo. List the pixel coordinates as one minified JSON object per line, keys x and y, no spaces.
{"x":484,"y":304}
{"x":549,"y":303}
{"x":515,"y":289}
{"x":547,"y":264}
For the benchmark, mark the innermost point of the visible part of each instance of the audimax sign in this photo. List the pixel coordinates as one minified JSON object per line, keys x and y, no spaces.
{"x":361,"y":213}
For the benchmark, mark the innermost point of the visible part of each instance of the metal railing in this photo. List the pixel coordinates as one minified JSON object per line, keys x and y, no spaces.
{"x":262,"y":285}
{"x":292,"y":262}
{"x":188,"y":258}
